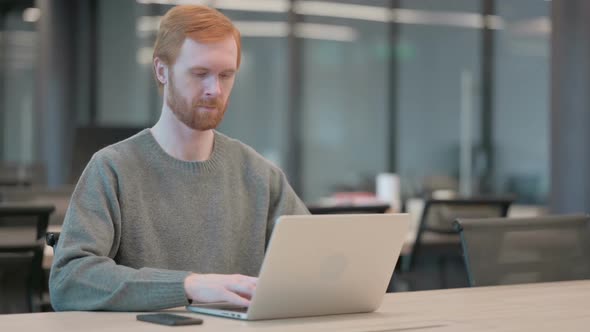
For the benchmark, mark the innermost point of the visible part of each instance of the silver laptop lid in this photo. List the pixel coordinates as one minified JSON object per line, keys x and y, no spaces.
{"x":328,"y":264}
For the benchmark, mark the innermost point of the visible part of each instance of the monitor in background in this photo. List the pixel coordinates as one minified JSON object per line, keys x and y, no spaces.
{"x":89,"y":140}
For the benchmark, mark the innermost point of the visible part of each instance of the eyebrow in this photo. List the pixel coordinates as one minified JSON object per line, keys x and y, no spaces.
{"x":198,"y":68}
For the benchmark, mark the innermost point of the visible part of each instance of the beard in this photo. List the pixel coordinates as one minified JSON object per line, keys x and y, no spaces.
{"x":190,"y":114}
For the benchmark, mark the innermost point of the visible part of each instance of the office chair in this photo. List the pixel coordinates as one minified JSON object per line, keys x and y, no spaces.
{"x":60,"y":198}
{"x":22,"y":234}
{"x":18,"y":175}
{"x":89,"y":139}
{"x":503,"y":251}
{"x":436,"y":238}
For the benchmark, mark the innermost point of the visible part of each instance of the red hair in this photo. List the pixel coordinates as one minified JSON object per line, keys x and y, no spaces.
{"x":200,"y":23}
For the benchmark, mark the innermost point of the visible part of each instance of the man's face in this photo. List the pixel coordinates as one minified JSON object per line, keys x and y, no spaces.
{"x":200,"y":82}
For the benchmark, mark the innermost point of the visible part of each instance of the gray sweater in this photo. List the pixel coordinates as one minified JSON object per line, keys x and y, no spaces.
{"x":140,"y":221}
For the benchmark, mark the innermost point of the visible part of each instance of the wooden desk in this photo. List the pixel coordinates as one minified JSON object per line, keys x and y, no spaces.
{"x":547,"y":307}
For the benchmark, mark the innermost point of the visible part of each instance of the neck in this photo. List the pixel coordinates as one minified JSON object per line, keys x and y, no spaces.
{"x":180,"y":141}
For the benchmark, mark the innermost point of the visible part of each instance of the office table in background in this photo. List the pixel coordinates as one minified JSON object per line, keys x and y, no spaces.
{"x":559,"y":306}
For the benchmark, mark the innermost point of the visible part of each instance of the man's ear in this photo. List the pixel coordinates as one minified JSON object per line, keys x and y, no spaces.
{"x":161,"y":70}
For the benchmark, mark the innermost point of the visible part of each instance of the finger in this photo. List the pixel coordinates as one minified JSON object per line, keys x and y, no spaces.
{"x":244,"y":278}
{"x":234,"y":298}
{"x":243,"y":288}
{"x":246,"y":296}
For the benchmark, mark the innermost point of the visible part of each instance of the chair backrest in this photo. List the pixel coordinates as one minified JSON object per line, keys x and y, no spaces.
{"x":88,"y":140}
{"x":22,"y":240}
{"x":438,"y":216}
{"x":502,"y":251}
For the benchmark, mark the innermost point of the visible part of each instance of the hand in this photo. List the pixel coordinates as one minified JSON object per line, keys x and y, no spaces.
{"x":235,"y":288}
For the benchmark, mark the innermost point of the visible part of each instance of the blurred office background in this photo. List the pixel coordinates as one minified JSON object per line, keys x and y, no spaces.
{"x":358,"y":88}
{"x":469,"y":98}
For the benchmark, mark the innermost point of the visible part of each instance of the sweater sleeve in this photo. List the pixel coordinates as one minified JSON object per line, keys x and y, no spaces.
{"x":284,"y":200}
{"x":84,"y":275}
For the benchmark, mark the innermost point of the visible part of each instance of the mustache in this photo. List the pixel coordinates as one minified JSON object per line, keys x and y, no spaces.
{"x":216,"y":102}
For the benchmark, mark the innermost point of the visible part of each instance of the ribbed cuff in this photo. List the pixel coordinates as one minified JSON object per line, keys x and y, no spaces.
{"x":166,"y":289}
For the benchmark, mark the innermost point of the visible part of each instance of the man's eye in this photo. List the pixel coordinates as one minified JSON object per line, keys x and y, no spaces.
{"x":226,"y":75}
{"x":200,"y":75}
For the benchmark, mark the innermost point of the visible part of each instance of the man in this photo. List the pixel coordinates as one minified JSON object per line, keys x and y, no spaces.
{"x":178,"y":212}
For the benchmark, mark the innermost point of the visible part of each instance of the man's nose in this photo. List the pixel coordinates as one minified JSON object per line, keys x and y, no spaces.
{"x":213,"y":87}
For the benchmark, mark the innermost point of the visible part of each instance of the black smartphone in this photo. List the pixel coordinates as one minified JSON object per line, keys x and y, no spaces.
{"x":169,"y":319}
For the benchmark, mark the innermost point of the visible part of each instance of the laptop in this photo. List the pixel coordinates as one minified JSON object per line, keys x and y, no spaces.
{"x":323,"y":265}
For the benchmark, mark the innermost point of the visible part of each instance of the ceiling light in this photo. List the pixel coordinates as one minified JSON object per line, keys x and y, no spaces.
{"x":273,"y":6}
{"x":325,"y":32}
{"x":329,"y":9}
{"x":262,"y":29}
